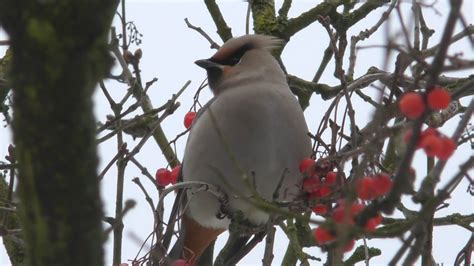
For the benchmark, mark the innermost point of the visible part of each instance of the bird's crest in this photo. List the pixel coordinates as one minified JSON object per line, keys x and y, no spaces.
{"x":240,"y":45}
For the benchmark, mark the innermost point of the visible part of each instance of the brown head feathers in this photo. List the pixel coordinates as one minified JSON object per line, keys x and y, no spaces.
{"x":231,"y":52}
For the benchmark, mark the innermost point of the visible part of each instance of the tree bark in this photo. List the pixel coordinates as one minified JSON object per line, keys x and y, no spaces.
{"x":59,"y":53}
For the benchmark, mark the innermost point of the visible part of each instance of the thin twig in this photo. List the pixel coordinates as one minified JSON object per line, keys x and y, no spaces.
{"x":121,"y":152}
{"x":402,"y":250}
{"x":268,"y":253}
{"x":156,"y":124}
{"x":143,"y":170}
{"x":117,"y":222}
{"x":364,"y":35}
{"x":466,"y":253}
{"x":136,"y":180}
{"x":214,"y":45}
{"x":247,"y":17}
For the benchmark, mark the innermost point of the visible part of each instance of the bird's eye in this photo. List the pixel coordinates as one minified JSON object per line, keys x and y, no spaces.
{"x":234,"y":61}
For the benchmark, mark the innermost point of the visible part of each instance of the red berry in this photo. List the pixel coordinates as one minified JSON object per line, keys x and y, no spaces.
{"x":339,"y":215}
{"x":349,"y":246}
{"x":306,"y":164}
{"x":382,"y":184}
{"x":174,"y":174}
{"x":432,"y":145}
{"x":411,"y":105}
{"x":373,"y":222}
{"x":431,"y":131}
{"x":324,"y":191}
{"x":447,"y":149}
{"x":425,"y":133}
{"x":320,"y":192}
{"x":323,"y":236}
{"x":320,"y":209}
{"x":365,"y":188}
{"x":331,"y":178}
{"x":189,"y":118}
{"x":356,"y":208}
{"x":311,"y":183}
{"x":163,"y":177}
{"x":438,"y":99}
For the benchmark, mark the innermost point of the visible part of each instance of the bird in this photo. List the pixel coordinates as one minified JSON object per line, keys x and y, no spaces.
{"x":247,"y":141}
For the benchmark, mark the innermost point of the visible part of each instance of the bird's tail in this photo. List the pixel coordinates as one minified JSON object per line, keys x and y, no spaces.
{"x":194,"y":240}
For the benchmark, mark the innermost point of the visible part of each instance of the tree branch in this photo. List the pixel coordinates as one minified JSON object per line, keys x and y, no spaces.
{"x":222,"y":29}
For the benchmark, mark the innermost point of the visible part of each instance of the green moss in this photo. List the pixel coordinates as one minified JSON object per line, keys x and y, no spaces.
{"x":360,"y":255}
{"x":4,"y":86}
{"x":459,"y":83}
{"x":9,"y":220}
{"x":264,"y":18}
{"x":59,"y":53}
{"x":41,"y":31}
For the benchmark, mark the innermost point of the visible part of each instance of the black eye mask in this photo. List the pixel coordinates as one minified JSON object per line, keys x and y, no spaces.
{"x":235,"y":57}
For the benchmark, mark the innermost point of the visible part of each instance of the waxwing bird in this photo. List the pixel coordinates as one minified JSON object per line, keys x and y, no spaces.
{"x":247,"y":139}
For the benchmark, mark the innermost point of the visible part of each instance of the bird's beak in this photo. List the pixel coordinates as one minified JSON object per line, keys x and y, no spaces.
{"x":207,"y":64}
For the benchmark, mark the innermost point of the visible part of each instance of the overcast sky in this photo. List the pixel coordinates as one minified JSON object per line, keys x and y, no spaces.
{"x":169,"y":50}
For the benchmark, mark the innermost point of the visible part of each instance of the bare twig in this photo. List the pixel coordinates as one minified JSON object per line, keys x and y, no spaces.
{"x":247,"y":17}
{"x":120,"y":153}
{"x":155,"y":126}
{"x":117,"y":222}
{"x":364,"y":35}
{"x":406,"y":245}
{"x":145,"y":101}
{"x":268,"y":254}
{"x":143,"y":170}
{"x":214,"y":45}
{"x":466,"y":253}
{"x":136,"y":180}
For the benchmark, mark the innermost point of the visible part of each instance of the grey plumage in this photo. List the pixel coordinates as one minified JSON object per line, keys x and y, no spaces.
{"x":253,"y":128}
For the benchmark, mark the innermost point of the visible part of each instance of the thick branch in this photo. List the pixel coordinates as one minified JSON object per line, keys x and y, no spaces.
{"x":307,"y":18}
{"x":222,"y":29}
{"x":55,"y":67}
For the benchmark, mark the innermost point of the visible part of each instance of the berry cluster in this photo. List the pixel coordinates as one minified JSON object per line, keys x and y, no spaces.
{"x":165,"y":177}
{"x":412,"y":104}
{"x":433,"y":143}
{"x":372,"y":187}
{"x":344,"y":213}
{"x":321,"y":181}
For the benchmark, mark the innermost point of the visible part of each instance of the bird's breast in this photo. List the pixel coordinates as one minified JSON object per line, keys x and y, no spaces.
{"x":245,"y":141}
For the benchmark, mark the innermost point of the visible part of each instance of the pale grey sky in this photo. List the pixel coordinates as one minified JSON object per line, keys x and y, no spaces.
{"x":169,"y":50}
